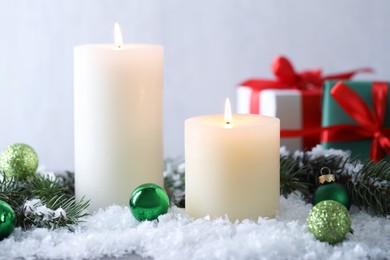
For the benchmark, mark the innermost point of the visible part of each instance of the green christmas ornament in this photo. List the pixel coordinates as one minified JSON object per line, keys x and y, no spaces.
{"x":329,"y":221}
{"x":148,"y":201}
{"x":329,"y":190}
{"x":19,"y":160}
{"x":7,"y":220}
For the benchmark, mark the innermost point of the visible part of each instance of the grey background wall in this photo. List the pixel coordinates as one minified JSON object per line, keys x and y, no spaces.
{"x":210,"y":46}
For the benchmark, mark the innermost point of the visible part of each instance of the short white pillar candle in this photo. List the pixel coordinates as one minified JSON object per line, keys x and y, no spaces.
{"x":232,"y":166}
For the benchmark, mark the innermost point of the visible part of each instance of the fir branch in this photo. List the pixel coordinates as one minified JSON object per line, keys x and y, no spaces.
{"x":291,"y":178}
{"x":368,"y":184}
{"x":43,"y":201}
{"x":45,"y":187}
{"x":59,"y":211}
{"x":369,"y":188}
{"x":11,"y":191}
{"x":67,"y":180}
{"x":174,"y":182}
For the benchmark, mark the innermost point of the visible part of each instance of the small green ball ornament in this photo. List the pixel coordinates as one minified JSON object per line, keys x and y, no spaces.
{"x":329,"y":221}
{"x":329,"y":190}
{"x":18,"y":160}
{"x":7,"y":220}
{"x":148,"y":201}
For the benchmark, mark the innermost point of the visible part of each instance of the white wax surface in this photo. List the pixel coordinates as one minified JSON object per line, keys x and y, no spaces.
{"x":118,"y":121}
{"x":233,"y":170}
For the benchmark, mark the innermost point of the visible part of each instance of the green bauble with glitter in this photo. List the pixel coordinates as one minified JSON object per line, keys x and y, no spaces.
{"x":18,"y":160}
{"x":148,"y":201}
{"x":329,"y":221}
{"x":7,"y":220}
{"x":330,"y":190}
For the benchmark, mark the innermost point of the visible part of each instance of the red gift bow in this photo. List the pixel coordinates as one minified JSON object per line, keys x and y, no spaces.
{"x":371,"y":123}
{"x":284,"y":71}
{"x":288,"y":78}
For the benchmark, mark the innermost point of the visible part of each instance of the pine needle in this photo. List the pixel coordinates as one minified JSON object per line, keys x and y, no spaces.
{"x":52,"y":192}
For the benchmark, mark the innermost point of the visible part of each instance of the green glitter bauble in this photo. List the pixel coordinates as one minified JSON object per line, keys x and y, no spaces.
{"x":332,"y":191}
{"x":329,"y":221}
{"x":19,"y":160}
{"x":148,"y":201}
{"x":7,"y":220}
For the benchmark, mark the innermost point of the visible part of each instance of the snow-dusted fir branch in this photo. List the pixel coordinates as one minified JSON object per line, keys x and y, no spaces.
{"x":174,"y":181}
{"x":54,"y":213}
{"x":43,"y":200}
{"x":368,"y":184}
{"x":37,"y":212}
{"x":47,"y":200}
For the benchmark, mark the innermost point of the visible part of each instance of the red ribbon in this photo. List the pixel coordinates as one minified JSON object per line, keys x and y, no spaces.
{"x":288,"y":78}
{"x":311,"y":115}
{"x":370,"y":122}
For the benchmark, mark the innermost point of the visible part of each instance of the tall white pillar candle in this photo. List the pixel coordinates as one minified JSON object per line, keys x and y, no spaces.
{"x":232,"y":167}
{"x":118,"y":113}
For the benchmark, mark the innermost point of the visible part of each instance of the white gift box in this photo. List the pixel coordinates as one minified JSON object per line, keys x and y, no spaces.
{"x":289,"y":105}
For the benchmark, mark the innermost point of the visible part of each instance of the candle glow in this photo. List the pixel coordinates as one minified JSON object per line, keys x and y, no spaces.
{"x":228,"y":112}
{"x":118,"y":36}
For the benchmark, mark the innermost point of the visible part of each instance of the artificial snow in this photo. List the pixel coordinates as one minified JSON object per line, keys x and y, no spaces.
{"x":114,"y":232}
{"x":35,"y":207}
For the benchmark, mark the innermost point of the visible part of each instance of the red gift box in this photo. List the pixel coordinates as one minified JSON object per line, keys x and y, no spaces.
{"x":256,"y":96}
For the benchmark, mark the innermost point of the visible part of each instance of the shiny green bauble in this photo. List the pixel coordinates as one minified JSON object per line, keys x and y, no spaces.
{"x":7,"y":220}
{"x":329,"y":221}
{"x":18,"y":160}
{"x":332,"y":191}
{"x":148,"y":201}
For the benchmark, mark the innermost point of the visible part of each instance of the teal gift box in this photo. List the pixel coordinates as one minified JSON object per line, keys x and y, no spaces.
{"x":360,"y":137}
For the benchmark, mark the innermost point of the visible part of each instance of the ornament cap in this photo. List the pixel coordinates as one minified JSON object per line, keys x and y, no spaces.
{"x":326,"y":176}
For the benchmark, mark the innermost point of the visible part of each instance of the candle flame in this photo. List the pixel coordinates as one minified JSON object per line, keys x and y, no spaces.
{"x":118,"y":36}
{"x":228,"y":112}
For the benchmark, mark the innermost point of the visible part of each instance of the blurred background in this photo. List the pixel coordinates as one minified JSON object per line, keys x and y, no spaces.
{"x":210,"y":47}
